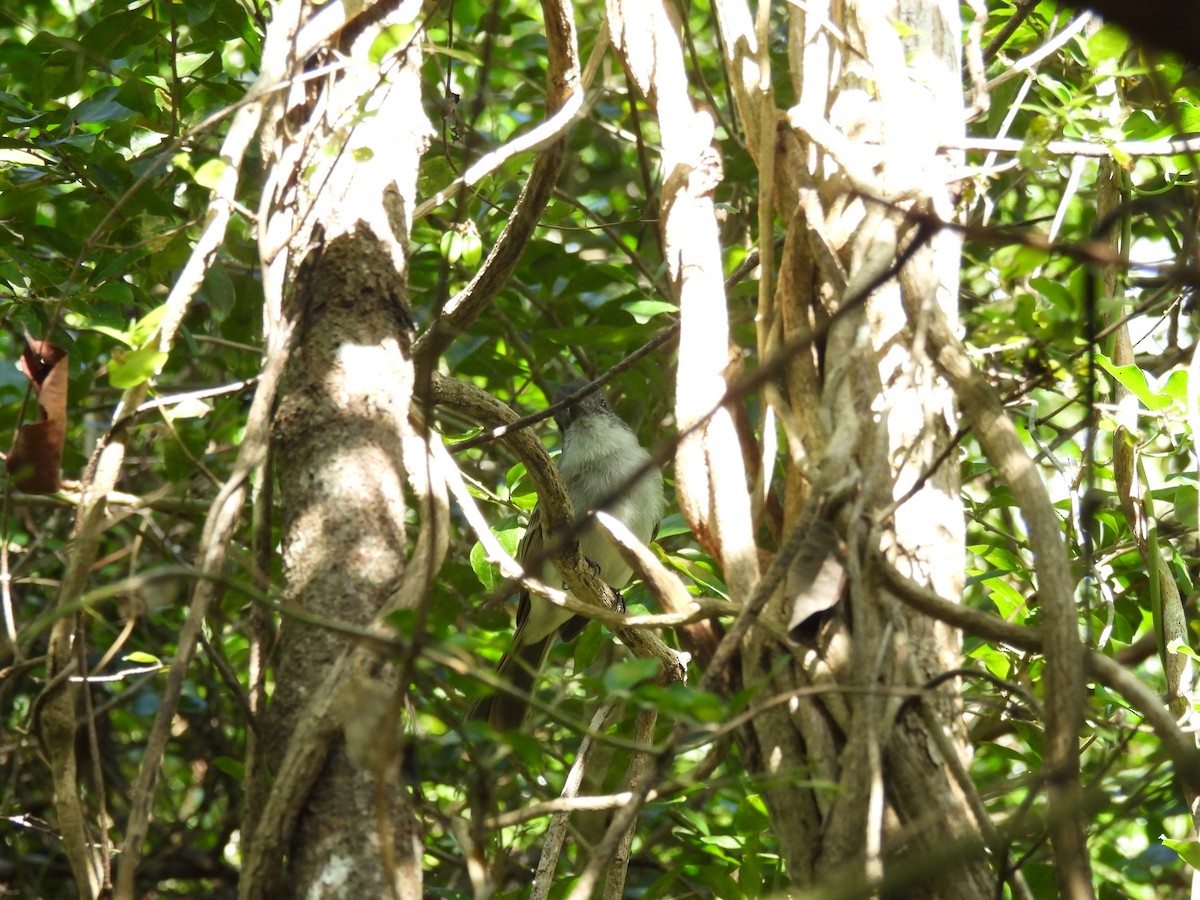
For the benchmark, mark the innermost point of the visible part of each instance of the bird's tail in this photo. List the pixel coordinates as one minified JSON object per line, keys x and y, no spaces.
{"x":506,"y":710}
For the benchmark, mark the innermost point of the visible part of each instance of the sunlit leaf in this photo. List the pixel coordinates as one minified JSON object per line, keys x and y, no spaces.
{"x":1134,"y":379}
{"x":129,"y":368}
{"x":210,"y":173}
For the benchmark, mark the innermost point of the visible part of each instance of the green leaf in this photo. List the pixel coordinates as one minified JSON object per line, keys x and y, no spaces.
{"x":1134,"y":380}
{"x":1176,"y":387}
{"x":103,"y":107}
{"x":209,"y":174}
{"x":1177,"y":645}
{"x":147,"y":326}
{"x":598,"y":275}
{"x":487,"y":571}
{"x":80,"y":321}
{"x":219,"y":291}
{"x":187,"y":63}
{"x":644,"y":310}
{"x":597,"y":335}
{"x":753,"y":814}
{"x":435,"y":173}
{"x":1009,"y":601}
{"x":672,"y":525}
{"x":587,"y":648}
{"x":1144,"y":125}
{"x":230,"y":766}
{"x":1107,"y":45}
{"x":461,"y":55}
{"x":1058,"y":294}
{"x":683,"y":702}
{"x":1186,"y":497}
{"x":720,"y":882}
{"x":1187,"y":848}
{"x":388,"y":40}
{"x":129,"y":368}
{"x":994,"y":660}
{"x":628,"y":674}
{"x":749,"y":874}
{"x":142,"y":658}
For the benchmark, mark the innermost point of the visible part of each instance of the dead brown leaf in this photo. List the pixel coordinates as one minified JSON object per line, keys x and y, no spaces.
{"x":36,"y":456}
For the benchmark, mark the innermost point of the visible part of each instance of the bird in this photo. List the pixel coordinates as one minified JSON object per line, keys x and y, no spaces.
{"x":600,"y":463}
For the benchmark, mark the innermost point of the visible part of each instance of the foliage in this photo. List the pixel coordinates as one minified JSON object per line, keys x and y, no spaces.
{"x":113,"y":114}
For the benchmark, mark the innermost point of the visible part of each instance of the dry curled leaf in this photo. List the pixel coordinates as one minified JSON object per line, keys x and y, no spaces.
{"x":36,"y":455}
{"x":816,"y":581}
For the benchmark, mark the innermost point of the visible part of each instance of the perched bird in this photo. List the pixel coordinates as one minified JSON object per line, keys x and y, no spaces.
{"x":600,"y":455}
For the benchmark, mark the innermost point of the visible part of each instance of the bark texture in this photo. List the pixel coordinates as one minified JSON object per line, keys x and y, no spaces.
{"x":865,"y":412}
{"x":353,"y":468}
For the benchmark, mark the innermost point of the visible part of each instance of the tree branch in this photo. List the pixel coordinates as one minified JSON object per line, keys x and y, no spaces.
{"x":1178,"y":745}
{"x":563,"y":86}
{"x":1064,"y":683}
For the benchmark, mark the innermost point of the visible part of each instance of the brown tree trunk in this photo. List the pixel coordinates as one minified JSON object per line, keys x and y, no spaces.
{"x":865,"y":413}
{"x":341,"y":185}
